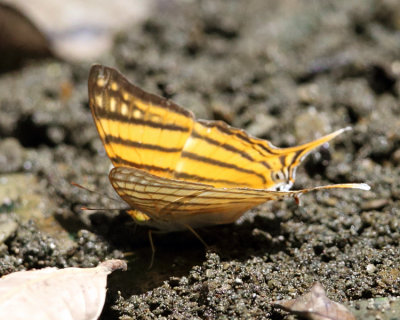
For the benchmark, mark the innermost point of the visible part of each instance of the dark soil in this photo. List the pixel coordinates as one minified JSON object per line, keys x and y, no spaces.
{"x":286,"y":71}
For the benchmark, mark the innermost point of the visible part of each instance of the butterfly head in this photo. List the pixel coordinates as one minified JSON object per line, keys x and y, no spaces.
{"x":282,"y":179}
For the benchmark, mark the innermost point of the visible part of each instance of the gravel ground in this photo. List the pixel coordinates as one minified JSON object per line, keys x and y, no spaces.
{"x":286,"y":71}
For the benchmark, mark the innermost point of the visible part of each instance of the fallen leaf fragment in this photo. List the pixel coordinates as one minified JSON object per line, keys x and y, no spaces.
{"x":51,"y":293}
{"x":315,"y":305}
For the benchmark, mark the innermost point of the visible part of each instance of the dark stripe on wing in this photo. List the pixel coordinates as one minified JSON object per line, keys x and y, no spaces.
{"x":103,"y":114}
{"x":282,"y":159}
{"x":265,"y":164}
{"x":229,"y":147}
{"x":239,"y":133}
{"x":222,"y":145}
{"x":146,"y":192}
{"x":128,"y":163}
{"x":139,"y":145}
{"x":244,"y":191}
{"x":180,"y":203}
{"x":291,"y":167}
{"x":194,"y":177}
{"x":218,"y":163}
{"x":196,"y":193}
{"x":112,"y":75}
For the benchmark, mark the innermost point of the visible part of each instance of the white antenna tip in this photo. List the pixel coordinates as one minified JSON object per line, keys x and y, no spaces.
{"x":362,"y":186}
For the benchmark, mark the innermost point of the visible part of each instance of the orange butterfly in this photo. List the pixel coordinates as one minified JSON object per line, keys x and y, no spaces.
{"x":177,"y":172}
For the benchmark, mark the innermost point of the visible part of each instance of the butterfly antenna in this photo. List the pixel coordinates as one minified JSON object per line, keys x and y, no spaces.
{"x":94,"y":191}
{"x":100,"y":209}
{"x":99,"y":193}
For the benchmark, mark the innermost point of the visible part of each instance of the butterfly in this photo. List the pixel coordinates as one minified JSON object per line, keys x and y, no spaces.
{"x":176,"y":172}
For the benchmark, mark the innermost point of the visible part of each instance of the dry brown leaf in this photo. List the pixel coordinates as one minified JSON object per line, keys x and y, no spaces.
{"x":82,"y":30}
{"x":315,"y":305}
{"x":51,"y":293}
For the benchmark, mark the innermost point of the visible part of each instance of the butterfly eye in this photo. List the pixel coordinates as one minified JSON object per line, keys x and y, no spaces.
{"x":278,"y":176}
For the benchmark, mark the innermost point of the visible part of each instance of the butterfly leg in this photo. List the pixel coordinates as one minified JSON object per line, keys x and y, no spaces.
{"x":297,"y":199}
{"x":153,"y":249}
{"x":197,"y":235}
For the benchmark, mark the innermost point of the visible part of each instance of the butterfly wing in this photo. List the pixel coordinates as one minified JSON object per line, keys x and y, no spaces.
{"x":182,"y":172}
{"x":176,"y":204}
{"x":138,"y":129}
{"x":148,"y":132}
{"x":224,"y":156}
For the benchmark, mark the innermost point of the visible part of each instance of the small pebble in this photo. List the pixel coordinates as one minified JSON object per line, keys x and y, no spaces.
{"x":371,"y":268}
{"x":11,"y":155}
{"x":8,"y":227}
{"x":374,"y":204}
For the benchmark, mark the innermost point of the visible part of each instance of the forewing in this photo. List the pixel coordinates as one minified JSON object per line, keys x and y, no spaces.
{"x":138,"y":129}
{"x":145,"y":131}
{"x":223,"y":156}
